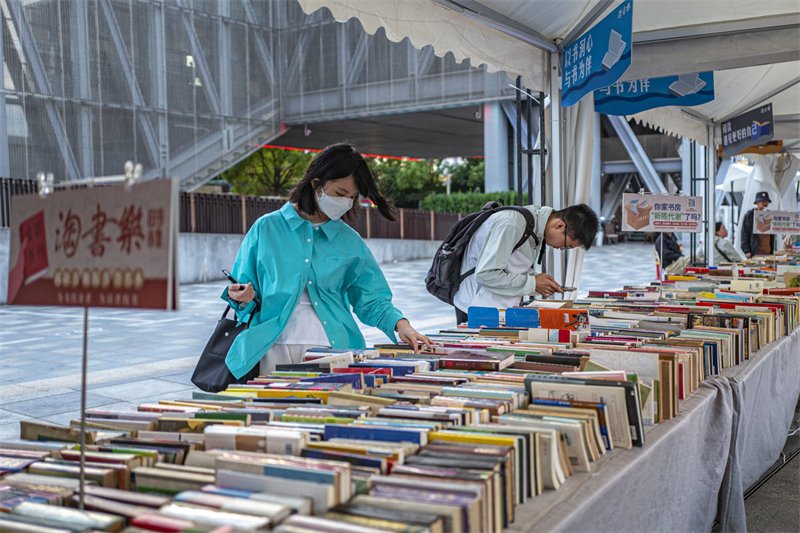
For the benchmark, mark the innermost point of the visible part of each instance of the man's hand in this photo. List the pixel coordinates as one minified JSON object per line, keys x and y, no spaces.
{"x":243,"y":294}
{"x":411,"y":336}
{"x":748,"y":255}
{"x":546,"y":285}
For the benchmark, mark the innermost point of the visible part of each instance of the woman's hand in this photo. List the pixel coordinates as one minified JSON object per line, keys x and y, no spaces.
{"x":243,"y":294}
{"x":411,"y":336}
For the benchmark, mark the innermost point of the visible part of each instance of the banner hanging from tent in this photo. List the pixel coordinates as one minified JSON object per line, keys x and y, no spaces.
{"x":634,"y":96}
{"x":599,"y":57}
{"x":749,"y":129}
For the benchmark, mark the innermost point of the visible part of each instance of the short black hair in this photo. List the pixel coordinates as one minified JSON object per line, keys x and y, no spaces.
{"x":336,"y":162}
{"x":717,"y":226}
{"x":582,"y":223}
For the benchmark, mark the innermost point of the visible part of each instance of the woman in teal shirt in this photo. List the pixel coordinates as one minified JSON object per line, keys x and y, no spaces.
{"x":308,"y":268}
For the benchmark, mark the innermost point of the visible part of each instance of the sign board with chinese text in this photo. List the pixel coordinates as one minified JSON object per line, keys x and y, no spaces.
{"x":97,"y":247}
{"x":634,"y":96}
{"x":776,"y":222}
{"x":662,"y":212}
{"x":749,"y":129}
{"x":599,"y":57}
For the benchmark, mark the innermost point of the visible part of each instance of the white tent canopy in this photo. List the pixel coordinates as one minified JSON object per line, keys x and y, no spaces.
{"x":514,"y":35}
{"x":736,"y":178}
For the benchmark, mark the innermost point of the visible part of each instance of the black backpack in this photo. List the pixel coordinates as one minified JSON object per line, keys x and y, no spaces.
{"x":444,"y":277}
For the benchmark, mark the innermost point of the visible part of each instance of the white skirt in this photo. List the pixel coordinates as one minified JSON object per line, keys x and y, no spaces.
{"x":283,"y":354}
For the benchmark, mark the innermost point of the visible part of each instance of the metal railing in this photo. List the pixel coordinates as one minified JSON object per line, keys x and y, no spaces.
{"x":236,"y":213}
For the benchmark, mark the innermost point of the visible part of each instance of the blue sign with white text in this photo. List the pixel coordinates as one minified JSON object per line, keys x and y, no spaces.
{"x":630,"y":97}
{"x":599,"y":57}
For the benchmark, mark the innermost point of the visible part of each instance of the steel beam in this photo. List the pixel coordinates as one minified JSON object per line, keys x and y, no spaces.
{"x":425,"y":58}
{"x":736,"y":27}
{"x":158,"y":73}
{"x":29,"y":54}
{"x":358,"y":60}
{"x":489,"y":17}
{"x":638,"y":156}
{"x":79,"y":55}
{"x":5,"y":163}
{"x":609,"y":203}
{"x":293,"y":72}
{"x":128,"y":72}
{"x":224,"y":43}
{"x":666,"y":164}
{"x":262,"y":50}
{"x":704,"y":47}
{"x":200,"y":60}
{"x":722,"y":171}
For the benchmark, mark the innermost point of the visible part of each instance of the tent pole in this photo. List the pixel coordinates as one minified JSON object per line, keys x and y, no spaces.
{"x":556,"y":186}
{"x":711,"y":200}
{"x":518,"y":136}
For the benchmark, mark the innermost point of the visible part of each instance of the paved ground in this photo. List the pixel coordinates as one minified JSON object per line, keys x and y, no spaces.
{"x":138,"y":355}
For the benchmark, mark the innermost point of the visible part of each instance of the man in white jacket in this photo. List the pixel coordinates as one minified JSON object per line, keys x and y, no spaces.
{"x":503,"y":275}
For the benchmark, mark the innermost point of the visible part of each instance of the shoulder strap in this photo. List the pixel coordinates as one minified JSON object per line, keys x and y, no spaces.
{"x":723,"y":254}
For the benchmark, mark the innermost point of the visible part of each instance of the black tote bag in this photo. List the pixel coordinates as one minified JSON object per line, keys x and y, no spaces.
{"x":211,"y":373}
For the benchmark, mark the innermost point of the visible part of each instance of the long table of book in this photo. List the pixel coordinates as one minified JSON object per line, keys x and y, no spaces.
{"x":644,"y":408}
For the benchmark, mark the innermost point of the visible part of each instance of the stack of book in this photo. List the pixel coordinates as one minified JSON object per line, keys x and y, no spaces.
{"x":452,"y":439}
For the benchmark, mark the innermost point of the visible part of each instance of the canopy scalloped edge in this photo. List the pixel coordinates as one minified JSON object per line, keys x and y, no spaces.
{"x":446,"y":26}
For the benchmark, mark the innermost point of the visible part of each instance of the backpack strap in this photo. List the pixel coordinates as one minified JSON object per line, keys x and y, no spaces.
{"x":530,"y":230}
{"x":723,"y":254}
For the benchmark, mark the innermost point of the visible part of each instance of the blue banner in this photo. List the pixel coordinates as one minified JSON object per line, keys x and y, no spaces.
{"x":630,"y":97}
{"x":599,"y":57}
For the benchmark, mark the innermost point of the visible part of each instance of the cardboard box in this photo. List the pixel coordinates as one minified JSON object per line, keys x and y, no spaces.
{"x":763,"y":223}
{"x":638,"y":216}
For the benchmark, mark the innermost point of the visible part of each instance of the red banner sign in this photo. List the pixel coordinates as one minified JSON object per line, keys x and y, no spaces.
{"x":98,"y":247}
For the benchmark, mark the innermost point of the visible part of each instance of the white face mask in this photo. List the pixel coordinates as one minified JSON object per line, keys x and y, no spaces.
{"x":334,"y":206}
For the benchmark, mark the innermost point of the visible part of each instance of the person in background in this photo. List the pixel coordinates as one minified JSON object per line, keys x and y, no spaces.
{"x":672,"y":261}
{"x":755,"y":243}
{"x":308,"y":268}
{"x":790,"y":241}
{"x":723,"y":247}
{"x":503,"y":275}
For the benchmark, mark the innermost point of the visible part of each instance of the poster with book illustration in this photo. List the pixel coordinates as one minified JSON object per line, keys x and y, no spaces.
{"x":776,"y":222}
{"x":662,"y":212}
{"x":108,"y":246}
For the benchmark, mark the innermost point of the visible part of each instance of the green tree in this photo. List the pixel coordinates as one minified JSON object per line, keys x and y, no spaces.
{"x":269,"y":171}
{"x":467,"y":175}
{"x":407,"y":182}
{"x":464,"y":202}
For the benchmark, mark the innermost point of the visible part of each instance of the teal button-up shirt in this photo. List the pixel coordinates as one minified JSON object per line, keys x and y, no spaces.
{"x":283,"y":254}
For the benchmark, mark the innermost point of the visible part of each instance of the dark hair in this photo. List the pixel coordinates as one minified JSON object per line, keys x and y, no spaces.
{"x":717,"y":226}
{"x":582,"y":223}
{"x":336,"y":162}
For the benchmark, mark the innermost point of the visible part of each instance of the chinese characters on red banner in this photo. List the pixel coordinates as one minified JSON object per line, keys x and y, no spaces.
{"x":100,"y":247}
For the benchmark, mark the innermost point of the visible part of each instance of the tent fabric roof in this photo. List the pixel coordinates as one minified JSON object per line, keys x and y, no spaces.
{"x":755,"y":41}
{"x":425,"y":23}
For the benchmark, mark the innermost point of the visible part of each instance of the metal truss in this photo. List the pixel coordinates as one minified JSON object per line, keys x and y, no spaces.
{"x":29,"y":54}
{"x":150,"y":138}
